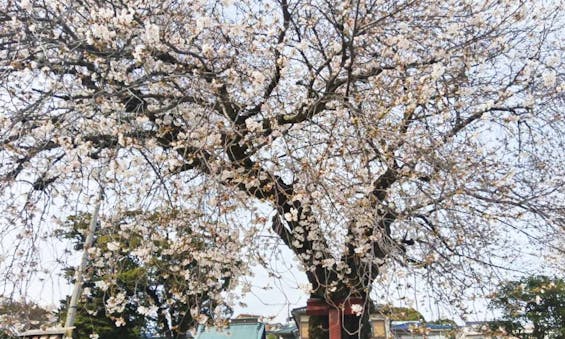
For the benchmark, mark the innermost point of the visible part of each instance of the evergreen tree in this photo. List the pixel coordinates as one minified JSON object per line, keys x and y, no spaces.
{"x":538,"y":301}
{"x":147,"y":288}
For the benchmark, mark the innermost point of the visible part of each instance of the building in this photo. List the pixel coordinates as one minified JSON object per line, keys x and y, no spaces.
{"x":241,"y":328}
{"x":420,"y":330}
{"x":279,"y":331}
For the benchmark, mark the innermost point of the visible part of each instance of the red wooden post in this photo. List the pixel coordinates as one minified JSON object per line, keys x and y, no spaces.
{"x":334,"y":323}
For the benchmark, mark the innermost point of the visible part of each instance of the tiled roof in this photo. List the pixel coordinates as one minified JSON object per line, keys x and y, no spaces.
{"x":285,"y":329}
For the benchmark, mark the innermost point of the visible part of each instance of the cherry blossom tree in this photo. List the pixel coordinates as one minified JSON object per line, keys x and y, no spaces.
{"x":361,"y":134}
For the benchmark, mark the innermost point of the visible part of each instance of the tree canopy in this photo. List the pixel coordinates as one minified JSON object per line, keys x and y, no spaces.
{"x":400,"y":313}
{"x":536,"y":301}
{"x":357,"y":134}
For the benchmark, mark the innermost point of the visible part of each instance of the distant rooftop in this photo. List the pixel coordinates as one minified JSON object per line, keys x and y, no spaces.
{"x":285,"y":329}
{"x":236,"y":330}
{"x":408,"y":325}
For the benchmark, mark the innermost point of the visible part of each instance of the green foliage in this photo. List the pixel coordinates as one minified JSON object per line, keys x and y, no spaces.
{"x":538,"y":301}
{"x":400,"y":313}
{"x":151,"y":284}
{"x":91,"y":317}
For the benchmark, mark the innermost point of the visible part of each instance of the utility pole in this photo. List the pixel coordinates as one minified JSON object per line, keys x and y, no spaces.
{"x":79,"y":275}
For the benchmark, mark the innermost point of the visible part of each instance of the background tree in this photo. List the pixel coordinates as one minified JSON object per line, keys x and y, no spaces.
{"x":359,"y":133}
{"x":155,"y":292}
{"x":537,"y":301}
{"x":91,"y":318}
{"x":395,"y":313}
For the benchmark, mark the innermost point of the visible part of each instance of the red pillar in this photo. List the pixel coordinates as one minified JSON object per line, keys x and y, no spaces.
{"x":335,"y":323}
